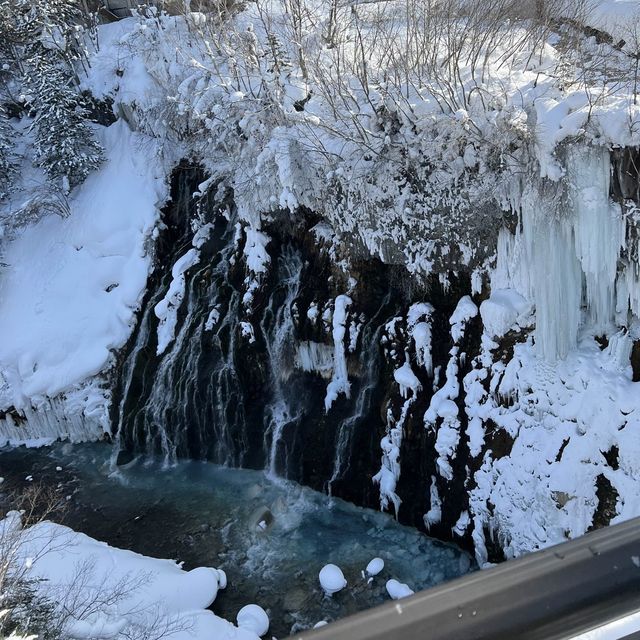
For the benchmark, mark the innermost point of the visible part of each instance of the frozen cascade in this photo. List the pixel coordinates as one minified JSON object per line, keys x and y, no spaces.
{"x":599,"y":229}
{"x":554,"y":272}
{"x":571,"y":236}
{"x":161,"y":404}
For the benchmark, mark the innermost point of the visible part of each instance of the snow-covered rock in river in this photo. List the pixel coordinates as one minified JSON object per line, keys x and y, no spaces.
{"x":397,"y":590}
{"x":253,"y":618}
{"x":375,"y":567}
{"x":332,"y":579}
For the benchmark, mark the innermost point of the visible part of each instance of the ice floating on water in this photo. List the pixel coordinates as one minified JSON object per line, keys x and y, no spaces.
{"x":253,"y":618}
{"x":375,"y":566}
{"x":398,"y":590}
{"x":332,"y":579}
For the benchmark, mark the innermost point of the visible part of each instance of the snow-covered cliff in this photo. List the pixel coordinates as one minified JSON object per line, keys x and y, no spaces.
{"x":415,"y":291}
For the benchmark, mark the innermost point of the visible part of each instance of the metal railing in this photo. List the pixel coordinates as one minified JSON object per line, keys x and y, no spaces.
{"x":552,"y":594}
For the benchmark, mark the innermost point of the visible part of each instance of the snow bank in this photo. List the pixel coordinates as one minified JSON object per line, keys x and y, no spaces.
{"x":153,"y":595}
{"x":72,"y":285}
{"x":616,"y":17}
{"x":564,"y":420}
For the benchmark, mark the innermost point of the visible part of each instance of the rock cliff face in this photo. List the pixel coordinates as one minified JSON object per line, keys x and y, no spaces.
{"x":362,"y":381}
{"x":249,"y":384}
{"x":293,"y":350}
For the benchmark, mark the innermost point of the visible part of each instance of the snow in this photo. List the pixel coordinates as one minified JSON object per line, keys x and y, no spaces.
{"x":340,"y":382}
{"x":407,"y":381}
{"x":461,"y":525}
{"x":442,"y":415}
{"x":434,"y":515}
{"x":257,"y":259}
{"x":616,"y":17}
{"x":68,"y":298}
{"x":419,"y":326}
{"x":375,"y":567}
{"x":247,"y":332}
{"x":167,"y":309}
{"x":398,"y":590}
{"x":502,"y":310}
{"x":465,"y":310}
{"x":253,"y":618}
{"x":212,"y":319}
{"x":155,"y":594}
{"x":563,"y":418}
{"x":72,"y":286}
{"x":332,"y":579}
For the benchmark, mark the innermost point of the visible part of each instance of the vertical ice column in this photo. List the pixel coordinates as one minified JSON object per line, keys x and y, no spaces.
{"x":554,"y":273}
{"x":598,"y":228}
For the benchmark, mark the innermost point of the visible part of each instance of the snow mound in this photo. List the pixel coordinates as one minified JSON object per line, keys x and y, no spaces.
{"x":407,"y":380}
{"x":501,"y":311}
{"x":158,"y":593}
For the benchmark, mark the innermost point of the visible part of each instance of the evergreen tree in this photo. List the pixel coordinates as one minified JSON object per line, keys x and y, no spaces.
{"x":65,"y":146}
{"x":40,"y":42}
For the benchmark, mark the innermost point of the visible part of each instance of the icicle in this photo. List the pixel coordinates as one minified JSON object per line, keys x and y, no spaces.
{"x":315,"y":357}
{"x":555,"y":274}
{"x":419,"y":326}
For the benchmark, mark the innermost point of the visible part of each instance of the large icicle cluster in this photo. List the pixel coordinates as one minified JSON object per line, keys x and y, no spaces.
{"x":564,"y":255}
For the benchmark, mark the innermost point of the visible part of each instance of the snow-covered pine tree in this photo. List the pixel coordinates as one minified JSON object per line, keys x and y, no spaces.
{"x":42,"y":44}
{"x":65,"y":146}
{"x":25,"y":614}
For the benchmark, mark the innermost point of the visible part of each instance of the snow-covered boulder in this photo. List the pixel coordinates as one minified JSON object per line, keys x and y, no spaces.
{"x":397,"y":590}
{"x":332,"y":579}
{"x":501,"y":310}
{"x":375,"y":567}
{"x":253,"y":618}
